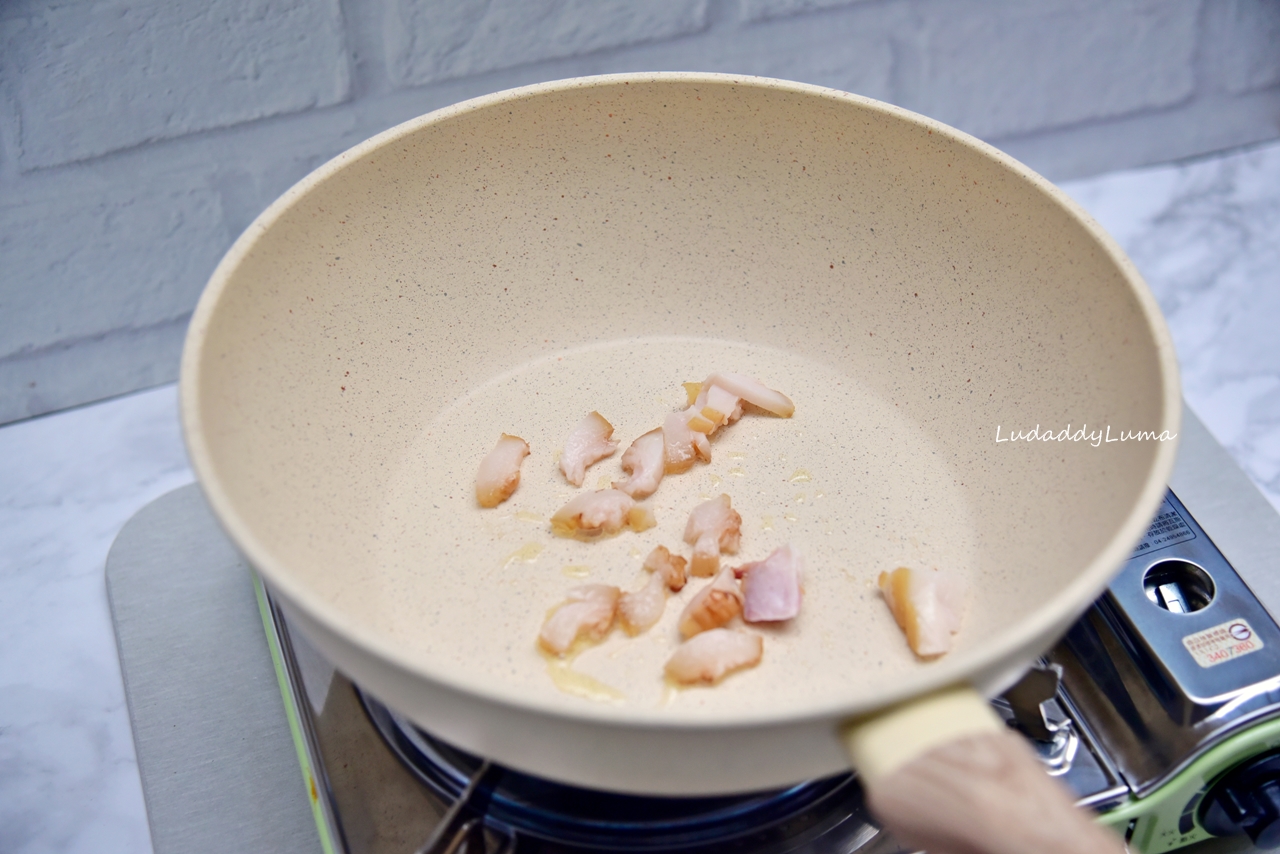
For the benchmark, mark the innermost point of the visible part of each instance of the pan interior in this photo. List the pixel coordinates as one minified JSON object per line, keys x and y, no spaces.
{"x":509,"y":266}
{"x":455,"y":581}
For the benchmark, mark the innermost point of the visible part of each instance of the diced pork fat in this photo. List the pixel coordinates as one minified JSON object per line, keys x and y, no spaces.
{"x":587,"y":612}
{"x":499,"y":472}
{"x":679,"y":451}
{"x":604,"y":511}
{"x":713,"y":528}
{"x":718,"y":406}
{"x":712,"y":606}
{"x":644,"y":462}
{"x":671,"y":567}
{"x":754,"y":392}
{"x":640,"y":610}
{"x":708,"y":656}
{"x":588,"y":443}
{"x":698,"y":422}
{"x":702,"y":447}
{"x":927,"y":605}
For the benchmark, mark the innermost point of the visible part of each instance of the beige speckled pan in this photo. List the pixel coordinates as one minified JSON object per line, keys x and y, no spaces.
{"x":516,"y":261}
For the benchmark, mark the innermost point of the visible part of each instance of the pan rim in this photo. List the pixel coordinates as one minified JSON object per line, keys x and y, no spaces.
{"x":995,"y":658}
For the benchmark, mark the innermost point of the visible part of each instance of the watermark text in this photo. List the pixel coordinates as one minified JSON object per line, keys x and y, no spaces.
{"x":1096,"y":437}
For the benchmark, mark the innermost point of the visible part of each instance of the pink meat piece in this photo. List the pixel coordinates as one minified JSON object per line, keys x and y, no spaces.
{"x":772,"y":588}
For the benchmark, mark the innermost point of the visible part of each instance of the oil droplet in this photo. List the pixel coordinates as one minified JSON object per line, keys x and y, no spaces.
{"x":529,"y":516}
{"x":818,"y":495}
{"x":737,"y":455}
{"x":790,"y":517}
{"x":799,"y":499}
{"x":579,"y":684}
{"x":736,"y":471}
{"x":635,"y":551}
{"x":800,"y":476}
{"x":766,"y":523}
{"x":527,"y":553}
{"x":715,"y":481}
{"x":604,"y":482}
{"x":576,"y":571}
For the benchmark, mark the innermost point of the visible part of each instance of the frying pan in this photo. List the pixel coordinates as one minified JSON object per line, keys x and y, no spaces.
{"x":514,"y":262}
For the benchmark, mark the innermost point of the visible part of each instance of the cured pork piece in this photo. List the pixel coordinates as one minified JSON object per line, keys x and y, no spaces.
{"x":927,"y":605}
{"x":702,"y":447}
{"x":713,"y":528}
{"x":639,"y":611}
{"x":587,"y":612}
{"x":712,"y":606}
{"x":589,"y":442}
{"x":714,"y":404}
{"x":754,"y":392}
{"x":644,"y":463}
{"x":499,"y":472}
{"x":717,"y":405}
{"x":708,"y":656}
{"x":605,"y":511}
{"x":671,"y":567}
{"x":698,"y":422}
{"x":772,"y":588}
{"x":679,"y":450}
{"x":682,"y":445}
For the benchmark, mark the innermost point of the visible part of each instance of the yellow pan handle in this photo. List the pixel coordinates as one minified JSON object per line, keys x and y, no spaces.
{"x":883,"y":742}
{"x":944,"y":773}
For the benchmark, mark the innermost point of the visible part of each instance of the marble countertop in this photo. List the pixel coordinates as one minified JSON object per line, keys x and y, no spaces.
{"x":1206,"y":235}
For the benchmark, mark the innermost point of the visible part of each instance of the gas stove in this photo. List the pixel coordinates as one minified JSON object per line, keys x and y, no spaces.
{"x":1160,"y":709}
{"x":481,"y":808}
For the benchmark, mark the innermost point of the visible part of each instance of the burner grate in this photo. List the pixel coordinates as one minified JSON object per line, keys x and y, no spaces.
{"x":545,"y":816}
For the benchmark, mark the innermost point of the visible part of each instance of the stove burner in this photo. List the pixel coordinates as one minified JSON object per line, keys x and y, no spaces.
{"x":551,"y":817}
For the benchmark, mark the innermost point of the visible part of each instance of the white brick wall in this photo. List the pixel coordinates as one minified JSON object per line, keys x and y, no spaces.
{"x":92,"y":78}
{"x":110,"y":266}
{"x":995,"y":78}
{"x":139,"y":137}
{"x":1252,"y":30}
{"x":442,"y":39}
{"x":763,"y":10}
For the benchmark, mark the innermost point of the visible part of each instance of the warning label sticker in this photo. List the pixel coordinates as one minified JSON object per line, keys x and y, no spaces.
{"x":1167,"y":528}
{"x":1223,"y":642}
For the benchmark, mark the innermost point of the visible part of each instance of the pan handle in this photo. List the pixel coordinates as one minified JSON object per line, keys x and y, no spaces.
{"x":944,"y":773}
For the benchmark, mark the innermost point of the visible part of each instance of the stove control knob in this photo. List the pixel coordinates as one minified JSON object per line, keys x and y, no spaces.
{"x":1246,"y":800}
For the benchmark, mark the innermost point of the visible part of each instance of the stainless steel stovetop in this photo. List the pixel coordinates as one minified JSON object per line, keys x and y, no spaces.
{"x":1161,"y":695}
